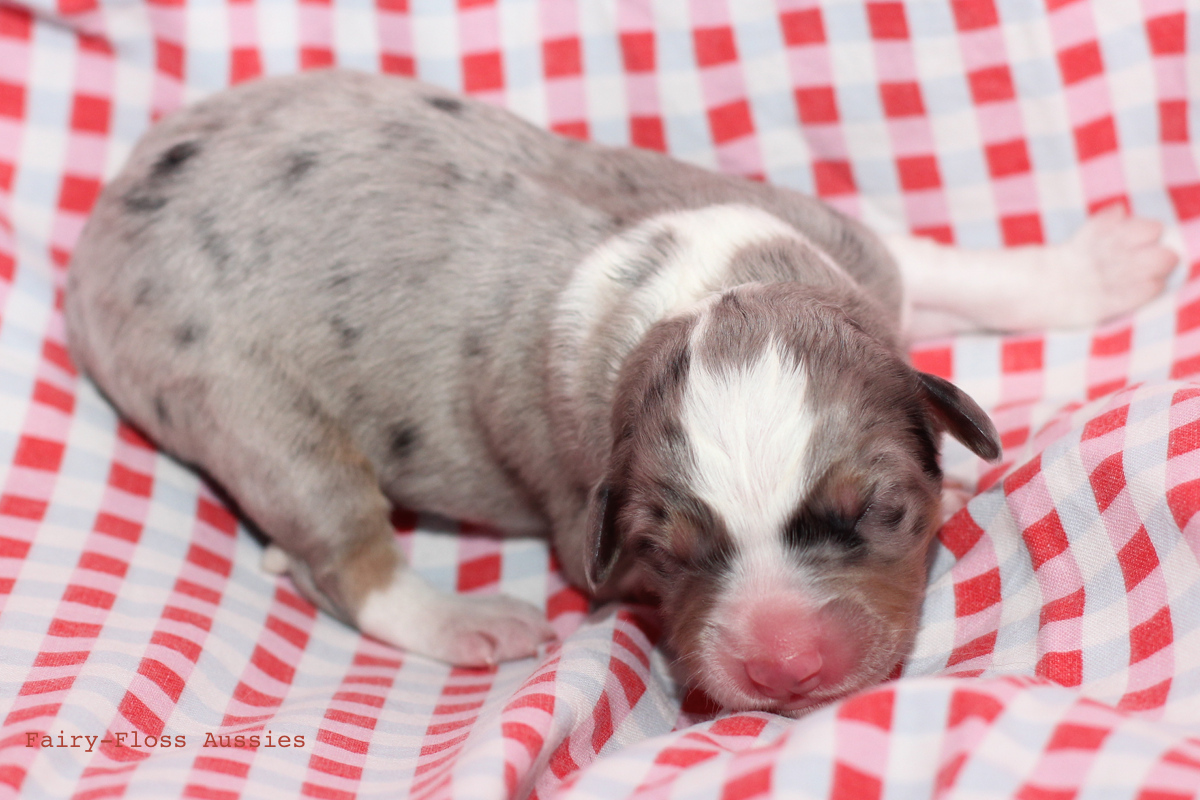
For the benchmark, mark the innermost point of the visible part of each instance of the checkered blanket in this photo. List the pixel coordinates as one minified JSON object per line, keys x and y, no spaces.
{"x":144,"y":654}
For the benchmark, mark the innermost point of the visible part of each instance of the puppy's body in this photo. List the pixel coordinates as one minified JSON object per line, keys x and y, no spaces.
{"x":324,"y":286}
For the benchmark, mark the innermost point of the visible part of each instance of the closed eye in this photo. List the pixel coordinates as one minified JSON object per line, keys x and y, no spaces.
{"x":891,"y":516}
{"x":808,"y":528}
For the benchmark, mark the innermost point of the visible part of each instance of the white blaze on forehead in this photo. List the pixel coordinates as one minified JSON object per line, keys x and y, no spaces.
{"x":748,"y":426}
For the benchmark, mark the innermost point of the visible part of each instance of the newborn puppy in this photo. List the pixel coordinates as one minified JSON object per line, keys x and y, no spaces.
{"x":334,"y":292}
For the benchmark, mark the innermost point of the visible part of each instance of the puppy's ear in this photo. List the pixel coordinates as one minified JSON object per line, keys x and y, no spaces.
{"x":602,"y":549}
{"x":961,"y":416}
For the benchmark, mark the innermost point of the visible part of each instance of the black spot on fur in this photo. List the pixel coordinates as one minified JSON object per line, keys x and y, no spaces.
{"x":505,"y":185}
{"x":212,"y":242}
{"x":143,"y":292}
{"x":188,"y":334}
{"x":403,"y":440}
{"x":340,"y":276}
{"x":173,"y":159}
{"x":449,"y":105}
{"x":147,"y":196}
{"x":139,"y":201}
{"x":161,"y":411}
{"x":451,"y":175}
{"x":627,"y":183}
{"x":307,"y":405}
{"x":667,"y":381}
{"x":648,"y":262}
{"x":472,"y":345}
{"x":348,"y":335}
{"x":394,"y":131}
{"x":298,"y":165}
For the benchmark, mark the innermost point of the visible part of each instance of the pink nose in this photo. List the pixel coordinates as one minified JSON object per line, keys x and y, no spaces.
{"x":786,"y":678}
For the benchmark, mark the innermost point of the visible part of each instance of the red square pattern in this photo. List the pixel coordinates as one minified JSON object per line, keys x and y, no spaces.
{"x":991,"y":84}
{"x":976,"y":594}
{"x":817,"y":104}
{"x":901,"y":99}
{"x":730,"y":121}
{"x":648,"y":132}
{"x":90,"y":114}
{"x":918,"y":172}
{"x":1007,"y":158}
{"x":393,"y":64}
{"x":1172,"y":120}
{"x":832,"y":178}
{"x":78,"y":194}
{"x":482,"y":72}
{"x":942,"y":234}
{"x":1045,"y":540}
{"x":1021,"y":229}
{"x":637,"y":51}
{"x":479,"y":572}
{"x":169,"y":58}
{"x":973,"y":14}
{"x":802,"y":27}
{"x":1070,"y":736}
{"x":887,"y":20}
{"x":937,"y":361}
{"x":38,"y":453}
{"x":1021,"y":355}
{"x":315,"y":57}
{"x":574,"y":130}
{"x":1186,"y":200}
{"x":1096,"y":138}
{"x":1151,"y":636}
{"x":714,"y":46}
{"x":12,"y":100}
{"x":1168,"y":34}
{"x":1067,"y":607}
{"x":1080,"y":62}
{"x":16,"y":25}
{"x":850,"y":783}
{"x":244,"y":64}
{"x":562,"y":57}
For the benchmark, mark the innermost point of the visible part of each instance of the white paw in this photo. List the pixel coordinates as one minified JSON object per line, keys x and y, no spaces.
{"x":482,"y":631}
{"x":475,"y":631}
{"x":1112,"y":265}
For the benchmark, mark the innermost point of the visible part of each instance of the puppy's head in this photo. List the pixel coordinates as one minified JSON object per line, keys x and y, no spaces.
{"x":774,"y":483}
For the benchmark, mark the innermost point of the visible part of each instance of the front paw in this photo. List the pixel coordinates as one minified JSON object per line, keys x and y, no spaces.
{"x":475,"y":631}
{"x":483,"y":631}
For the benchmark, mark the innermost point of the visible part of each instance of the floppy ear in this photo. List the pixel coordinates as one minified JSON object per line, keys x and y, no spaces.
{"x":961,"y":416}
{"x":602,"y":549}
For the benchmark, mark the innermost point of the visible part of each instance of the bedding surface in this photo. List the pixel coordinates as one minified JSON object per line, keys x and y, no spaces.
{"x":143,"y":653}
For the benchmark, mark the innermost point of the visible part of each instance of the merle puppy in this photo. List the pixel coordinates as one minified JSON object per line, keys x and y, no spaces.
{"x":334,"y":292}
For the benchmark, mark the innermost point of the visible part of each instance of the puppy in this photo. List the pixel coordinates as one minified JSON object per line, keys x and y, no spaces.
{"x":334,"y":292}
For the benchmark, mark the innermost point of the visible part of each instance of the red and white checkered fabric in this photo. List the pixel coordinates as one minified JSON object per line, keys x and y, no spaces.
{"x":1059,"y":655}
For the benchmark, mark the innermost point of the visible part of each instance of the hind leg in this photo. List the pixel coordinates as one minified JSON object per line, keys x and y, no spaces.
{"x":296,"y":472}
{"x":1112,"y":265}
